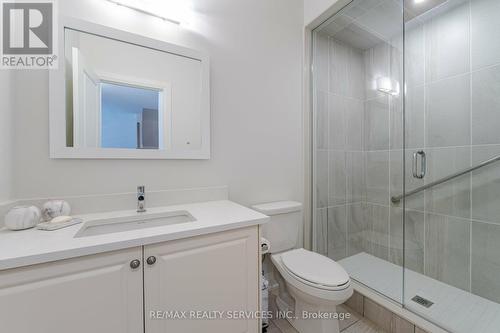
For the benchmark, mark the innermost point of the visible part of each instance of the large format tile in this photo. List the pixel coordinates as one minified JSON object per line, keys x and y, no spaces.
{"x":485,"y":48}
{"x":452,"y":197}
{"x":356,"y":302}
{"x":321,"y":231}
{"x":349,"y":318}
{"x":356,"y":37}
{"x":377,"y":64}
{"x":355,"y":176}
{"x":383,"y":20}
{"x":400,"y":325}
{"x":376,"y":123}
{"x":447,"y":250}
{"x":377,"y":177}
{"x":338,"y":67}
{"x":378,"y":314}
{"x":414,"y":56}
{"x":337,"y":178}
{"x":336,"y":122}
{"x":376,"y":230}
{"x":397,"y":60}
{"x":321,"y":120}
{"x":321,"y":61}
{"x":358,"y":8}
{"x":354,"y":118}
{"x":447,"y":44}
{"x":357,"y":227}
{"x":337,"y":232}
{"x":338,"y":24}
{"x":396,"y":172}
{"x":407,"y":247}
{"x":486,"y":185}
{"x":415,"y":117}
{"x":447,"y":117}
{"x":364,"y":326}
{"x":321,"y":178}
{"x":396,"y":122}
{"x":356,"y":74}
{"x":486,"y":106}
{"x":486,"y":260}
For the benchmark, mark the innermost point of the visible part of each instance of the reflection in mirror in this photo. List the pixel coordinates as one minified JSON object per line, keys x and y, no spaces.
{"x":130,"y":117}
{"x":109,"y":109}
{"x":119,"y":96}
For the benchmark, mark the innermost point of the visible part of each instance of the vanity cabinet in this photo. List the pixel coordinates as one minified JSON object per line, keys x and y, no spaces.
{"x":198,"y":276}
{"x":98,"y":293}
{"x":133,"y":290}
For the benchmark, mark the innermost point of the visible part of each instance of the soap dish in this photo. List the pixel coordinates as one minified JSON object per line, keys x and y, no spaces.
{"x":48,"y":226}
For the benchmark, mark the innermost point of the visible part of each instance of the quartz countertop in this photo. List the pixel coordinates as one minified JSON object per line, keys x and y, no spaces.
{"x":32,"y":246}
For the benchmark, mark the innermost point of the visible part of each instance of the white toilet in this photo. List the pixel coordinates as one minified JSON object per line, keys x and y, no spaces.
{"x":310,"y":285}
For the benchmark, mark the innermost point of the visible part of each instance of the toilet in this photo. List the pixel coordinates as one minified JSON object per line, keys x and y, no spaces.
{"x":310,"y":284}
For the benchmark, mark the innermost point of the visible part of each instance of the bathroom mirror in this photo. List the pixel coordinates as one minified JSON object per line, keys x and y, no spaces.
{"x":120,"y":95}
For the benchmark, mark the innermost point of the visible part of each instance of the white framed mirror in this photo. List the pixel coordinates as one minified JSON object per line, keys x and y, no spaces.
{"x":117,"y":95}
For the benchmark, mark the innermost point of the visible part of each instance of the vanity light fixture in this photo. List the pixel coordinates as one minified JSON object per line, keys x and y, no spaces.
{"x":387,"y":86}
{"x":171,"y":11}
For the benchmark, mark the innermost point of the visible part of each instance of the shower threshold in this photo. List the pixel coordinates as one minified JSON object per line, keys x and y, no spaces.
{"x":452,"y":309}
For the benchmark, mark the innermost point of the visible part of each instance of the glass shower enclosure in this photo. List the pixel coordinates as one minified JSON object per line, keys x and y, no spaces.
{"x":406,"y":139}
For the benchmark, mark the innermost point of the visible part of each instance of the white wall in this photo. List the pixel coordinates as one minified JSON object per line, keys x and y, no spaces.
{"x":256,"y":52}
{"x":6,"y":110}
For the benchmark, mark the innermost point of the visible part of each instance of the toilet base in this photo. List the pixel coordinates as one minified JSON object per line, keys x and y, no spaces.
{"x":308,"y":309}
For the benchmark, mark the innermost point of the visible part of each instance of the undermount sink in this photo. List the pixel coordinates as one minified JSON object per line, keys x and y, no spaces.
{"x":134,"y":222}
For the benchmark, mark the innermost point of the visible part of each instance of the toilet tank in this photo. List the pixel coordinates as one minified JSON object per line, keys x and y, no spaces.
{"x":282,"y":231}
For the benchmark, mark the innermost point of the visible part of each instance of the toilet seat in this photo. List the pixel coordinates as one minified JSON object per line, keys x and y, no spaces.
{"x":315,"y":270}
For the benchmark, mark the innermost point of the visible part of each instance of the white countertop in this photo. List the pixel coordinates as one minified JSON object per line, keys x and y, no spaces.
{"x":29,"y":247}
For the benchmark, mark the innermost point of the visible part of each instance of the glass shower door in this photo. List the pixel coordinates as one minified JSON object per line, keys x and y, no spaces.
{"x":358,"y":146}
{"x":452,"y":127}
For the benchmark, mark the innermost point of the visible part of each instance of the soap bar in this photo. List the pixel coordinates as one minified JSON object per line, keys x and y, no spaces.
{"x":61,"y":219}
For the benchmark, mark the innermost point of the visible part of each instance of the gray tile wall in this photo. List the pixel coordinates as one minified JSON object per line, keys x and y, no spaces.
{"x":340,"y":106}
{"x":357,"y":158}
{"x":453,"y":99}
{"x":452,"y":112}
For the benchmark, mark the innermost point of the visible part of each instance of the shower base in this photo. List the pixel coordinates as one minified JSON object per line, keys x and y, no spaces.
{"x":453,"y":309}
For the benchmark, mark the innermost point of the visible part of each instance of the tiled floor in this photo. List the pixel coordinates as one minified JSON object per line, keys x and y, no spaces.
{"x":355,"y":324}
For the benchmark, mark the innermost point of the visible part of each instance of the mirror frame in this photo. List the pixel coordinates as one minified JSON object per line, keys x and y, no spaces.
{"x":57,"y":99}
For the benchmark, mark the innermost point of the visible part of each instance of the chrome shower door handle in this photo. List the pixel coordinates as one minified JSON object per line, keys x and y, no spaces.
{"x":423,"y":164}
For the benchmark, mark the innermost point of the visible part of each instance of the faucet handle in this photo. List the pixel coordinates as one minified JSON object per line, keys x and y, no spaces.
{"x":141,"y":199}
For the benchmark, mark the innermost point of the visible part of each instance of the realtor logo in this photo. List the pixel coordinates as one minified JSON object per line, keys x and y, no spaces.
{"x":28,"y":34}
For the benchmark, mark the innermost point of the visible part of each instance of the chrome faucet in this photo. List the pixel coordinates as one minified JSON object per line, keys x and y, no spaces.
{"x":141,"y":199}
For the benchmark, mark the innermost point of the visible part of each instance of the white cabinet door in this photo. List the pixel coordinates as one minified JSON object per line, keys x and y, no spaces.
{"x":99,"y":293}
{"x":218,"y":272}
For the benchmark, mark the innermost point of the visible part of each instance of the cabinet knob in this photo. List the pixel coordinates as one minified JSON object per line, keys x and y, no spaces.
{"x":151,"y":260}
{"x":134,"y":264}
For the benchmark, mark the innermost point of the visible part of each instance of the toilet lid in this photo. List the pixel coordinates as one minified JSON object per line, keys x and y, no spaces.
{"x":315,"y":268}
